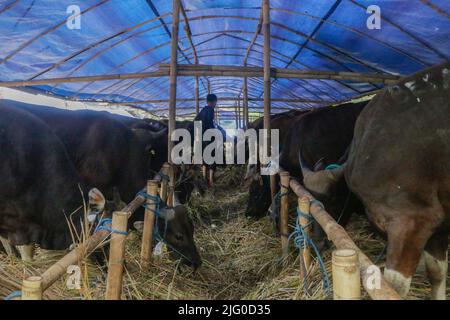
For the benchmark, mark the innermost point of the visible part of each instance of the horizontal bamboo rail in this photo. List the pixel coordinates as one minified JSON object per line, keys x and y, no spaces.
{"x":217,"y":71}
{"x":223,"y":99}
{"x":342,"y":240}
{"x":53,"y":273}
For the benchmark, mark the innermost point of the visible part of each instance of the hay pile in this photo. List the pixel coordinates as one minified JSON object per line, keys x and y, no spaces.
{"x":240,"y":259}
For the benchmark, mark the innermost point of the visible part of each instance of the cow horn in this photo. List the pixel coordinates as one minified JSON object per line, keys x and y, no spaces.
{"x":320,"y":181}
{"x":167,"y":213}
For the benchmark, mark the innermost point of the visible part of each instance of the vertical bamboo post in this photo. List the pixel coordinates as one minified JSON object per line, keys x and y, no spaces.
{"x":303,"y":206}
{"x":173,"y":78}
{"x":211,"y":177}
{"x":204,"y":172}
{"x":32,"y":288}
{"x":346,"y":275}
{"x":149,"y":222}
{"x":116,"y":255}
{"x":197,"y":95}
{"x":171,"y":190}
{"x":245,"y":103}
{"x":267,"y":83}
{"x":164,"y":183}
{"x":284,"y":212}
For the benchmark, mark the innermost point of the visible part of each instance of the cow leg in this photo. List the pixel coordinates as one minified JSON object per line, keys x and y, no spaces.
{"x":26,"y":252}
{"x":8,"y":248}
{"x":436,"y":263}
{"x":406,"y":240}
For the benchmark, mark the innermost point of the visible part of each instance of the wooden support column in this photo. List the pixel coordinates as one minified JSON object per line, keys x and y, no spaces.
{"x":346,"y":275}
{"x":173,"y":74}
{"x":245,"y":103}
{"x":197,"y":96}
{"x":304,"y":221}
{"x":32,"y":288}
{"x":164,"y":182}
{"x":284,"y":212}
{"x":149,"y":223}
{"x":116,"y":256}
{"x":267,"y":82}
{"x":173,"y":92}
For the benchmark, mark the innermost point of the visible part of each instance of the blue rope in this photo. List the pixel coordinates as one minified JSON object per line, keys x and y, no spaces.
{"x":14,"y":294}
{"x":301,"y":240}
{"x":332,"y":166}
{"x":155,"y":201}
{"x":105,"y":224}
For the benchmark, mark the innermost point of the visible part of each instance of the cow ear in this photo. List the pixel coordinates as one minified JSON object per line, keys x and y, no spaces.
{"x":97,"y":200}
{"x":118,"y":203}
{"x":139,"y":226}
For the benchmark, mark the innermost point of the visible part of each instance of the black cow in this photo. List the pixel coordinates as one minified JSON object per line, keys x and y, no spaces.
{"x":318,"y":139}
{"x":399,"y":167}
{"x":40,"y":189}
{"x":108,"y":154}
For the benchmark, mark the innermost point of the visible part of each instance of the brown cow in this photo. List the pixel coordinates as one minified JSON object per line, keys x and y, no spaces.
{"x":399,"y":167}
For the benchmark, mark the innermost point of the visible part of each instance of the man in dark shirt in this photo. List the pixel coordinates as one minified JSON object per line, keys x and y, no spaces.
{"x":206,"y":116}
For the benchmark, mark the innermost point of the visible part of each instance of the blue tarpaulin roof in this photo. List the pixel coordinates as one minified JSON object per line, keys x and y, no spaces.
{"x":124,"y":36}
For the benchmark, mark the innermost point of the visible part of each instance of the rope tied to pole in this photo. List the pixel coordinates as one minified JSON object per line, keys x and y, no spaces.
{"x":302,"y":240}
{"x":14,"y":294}
{"x":106,"y":224}
{"x":274,"y":209}
{"x":154,"y":200}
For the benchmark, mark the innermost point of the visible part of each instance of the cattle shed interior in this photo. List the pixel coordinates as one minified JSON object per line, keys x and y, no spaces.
{"x":159,"y":59}
{"x":134,"y":37}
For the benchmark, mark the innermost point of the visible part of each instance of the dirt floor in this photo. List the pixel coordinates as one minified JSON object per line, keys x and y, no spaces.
{"x":241,"y":259}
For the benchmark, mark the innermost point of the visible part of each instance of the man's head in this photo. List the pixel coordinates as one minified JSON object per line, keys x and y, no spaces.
{"x":211,"y":99}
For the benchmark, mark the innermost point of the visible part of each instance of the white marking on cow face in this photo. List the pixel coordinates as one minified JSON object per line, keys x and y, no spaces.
{"x":398,"y":281}
{"x":426,"y":77}
{"x":437,"y":273}
{"x":410,"y":85}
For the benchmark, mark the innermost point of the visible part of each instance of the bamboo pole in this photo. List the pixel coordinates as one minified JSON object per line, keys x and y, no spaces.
{"x":267,"y":83}
{"x":197,"y":96}
{"x":32,"y":288}
{"x":164,"y":183}
{"x":116,"y":256}
{"x":217,"y":71}
{"x":73,"y":257}
{"x":346,"y":275}
{"x":284,"y":212}
{"x":245,"y":102}
{"x":211,"y":177}
{"x":342,"y":240}
{"x":173,"y":68}
{"x":149,"y":222}
{"x":303,"y":206}
{"x":171,"y":191}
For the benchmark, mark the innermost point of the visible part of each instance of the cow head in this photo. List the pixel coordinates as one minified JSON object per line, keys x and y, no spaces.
{"x":189,"y":179}
{"x":259,"y":198}
{"x":329,"y":187}
{"x":176,"y":228}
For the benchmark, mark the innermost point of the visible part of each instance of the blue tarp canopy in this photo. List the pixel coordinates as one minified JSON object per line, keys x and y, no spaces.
{"x":129,"y":36}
